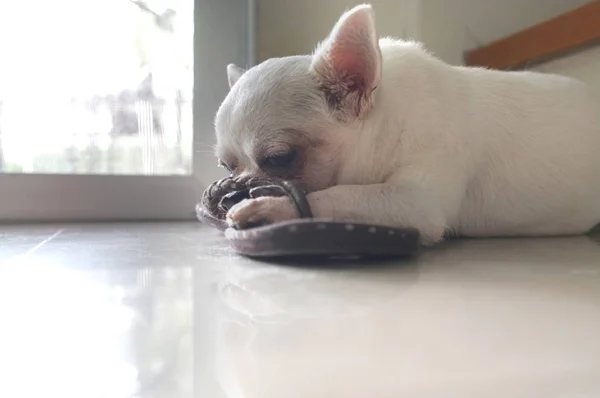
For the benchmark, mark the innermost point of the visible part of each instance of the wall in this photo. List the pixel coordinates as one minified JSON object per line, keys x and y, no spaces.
{"x":493,"y":20}
{"x":442,"y":28}
{"x":514,"y":15}
{"x":446,"y":27}
{"x":296,"y":26}
{"x":583,"y":65}
{"x":450,"y":27}
{"x":221,"y":38}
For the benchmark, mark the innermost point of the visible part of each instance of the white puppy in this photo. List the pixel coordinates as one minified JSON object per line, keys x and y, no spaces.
{"x":380,"y":131}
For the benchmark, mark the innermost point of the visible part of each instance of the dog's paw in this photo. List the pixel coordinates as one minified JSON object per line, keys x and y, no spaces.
{"x":263,"y":210}
{"x":215,"y":192}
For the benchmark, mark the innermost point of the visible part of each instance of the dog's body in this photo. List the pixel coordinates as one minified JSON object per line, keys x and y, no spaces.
{"x":384,"y":133}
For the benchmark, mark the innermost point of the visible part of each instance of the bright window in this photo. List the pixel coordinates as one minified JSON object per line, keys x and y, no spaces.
{"x":106,"y":106}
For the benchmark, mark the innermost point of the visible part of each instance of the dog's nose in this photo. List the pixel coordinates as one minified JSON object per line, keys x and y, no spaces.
{"x":251,"y":181}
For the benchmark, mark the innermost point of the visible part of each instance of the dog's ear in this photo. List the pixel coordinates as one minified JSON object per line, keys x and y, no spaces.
{"x":348,"y":64}
{"x":234,"y":72}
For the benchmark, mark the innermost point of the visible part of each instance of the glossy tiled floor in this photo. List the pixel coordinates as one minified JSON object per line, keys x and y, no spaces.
{"x":164,"y":310}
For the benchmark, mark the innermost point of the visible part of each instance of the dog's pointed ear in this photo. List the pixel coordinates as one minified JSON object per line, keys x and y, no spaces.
{"x":348,"y":64}
{"x":234,"y":73}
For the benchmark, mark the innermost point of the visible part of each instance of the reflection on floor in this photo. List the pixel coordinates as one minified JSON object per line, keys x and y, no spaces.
{"x":165,"y":310}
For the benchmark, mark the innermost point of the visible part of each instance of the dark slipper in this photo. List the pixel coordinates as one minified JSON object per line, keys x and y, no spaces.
{"x":305,"y":236}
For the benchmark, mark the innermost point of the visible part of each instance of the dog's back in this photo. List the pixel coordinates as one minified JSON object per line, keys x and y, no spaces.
{"x":527,"y":145}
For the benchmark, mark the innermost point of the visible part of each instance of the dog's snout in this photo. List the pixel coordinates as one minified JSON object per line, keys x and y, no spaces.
{"x":251,"y":181}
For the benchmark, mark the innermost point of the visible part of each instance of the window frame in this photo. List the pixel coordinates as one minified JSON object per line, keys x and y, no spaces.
{"x":223,"y":30}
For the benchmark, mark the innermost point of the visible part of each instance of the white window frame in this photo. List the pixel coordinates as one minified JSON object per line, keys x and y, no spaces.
{"x":224,"y":32}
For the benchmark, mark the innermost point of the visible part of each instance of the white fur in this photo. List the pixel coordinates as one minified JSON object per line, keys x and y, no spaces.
{"x":505,"y":153}
{"x":476,"y":152}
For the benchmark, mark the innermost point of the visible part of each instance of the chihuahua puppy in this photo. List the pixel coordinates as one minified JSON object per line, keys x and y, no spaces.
{"x":382,"y":132}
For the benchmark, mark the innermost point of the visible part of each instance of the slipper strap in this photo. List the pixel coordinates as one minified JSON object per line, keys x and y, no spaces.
{"x":299,"y":198}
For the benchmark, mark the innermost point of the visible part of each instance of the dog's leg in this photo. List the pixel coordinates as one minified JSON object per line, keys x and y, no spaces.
{"x":397,"y":205}
{"x":401,"y":204}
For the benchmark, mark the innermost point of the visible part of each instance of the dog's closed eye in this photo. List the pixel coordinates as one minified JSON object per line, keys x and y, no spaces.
{"x":225,"y":166}
{"x":279,"y":160}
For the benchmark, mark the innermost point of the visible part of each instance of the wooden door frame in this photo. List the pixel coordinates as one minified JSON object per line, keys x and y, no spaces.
{"x":556,"y":37}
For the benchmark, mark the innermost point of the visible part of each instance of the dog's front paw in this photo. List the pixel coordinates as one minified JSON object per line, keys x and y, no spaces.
{"x":263,"y":210}
{"x":215,"y":192}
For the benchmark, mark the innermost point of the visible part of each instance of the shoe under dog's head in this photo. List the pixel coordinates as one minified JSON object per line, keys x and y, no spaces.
{"x":288,"y":118}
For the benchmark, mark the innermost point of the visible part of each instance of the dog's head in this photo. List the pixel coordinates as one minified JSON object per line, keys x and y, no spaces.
{"x":289,"y":118}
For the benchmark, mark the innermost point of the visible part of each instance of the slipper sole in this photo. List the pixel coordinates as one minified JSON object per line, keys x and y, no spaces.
{"x":321,"y":238}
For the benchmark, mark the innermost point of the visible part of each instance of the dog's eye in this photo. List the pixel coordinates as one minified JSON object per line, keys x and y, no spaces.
{"x":280,"y":160}
{"x":225,"y":166}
